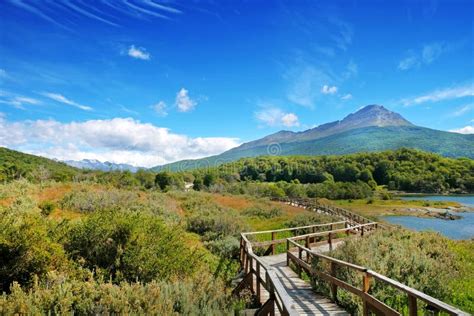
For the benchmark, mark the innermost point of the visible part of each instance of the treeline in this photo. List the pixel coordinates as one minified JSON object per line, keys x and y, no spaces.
{"x":402,"y":170}
{"x":335,"y":177}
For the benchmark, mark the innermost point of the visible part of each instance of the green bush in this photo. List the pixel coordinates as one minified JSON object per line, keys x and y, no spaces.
{"x":88,"y":200}
{"x":262,"y":213}
{"x":59,"y":295}
{"x":26,"y":247}
{"x":419,"y":260}
{"x":47,"y":207}
{"x":131,"y":246}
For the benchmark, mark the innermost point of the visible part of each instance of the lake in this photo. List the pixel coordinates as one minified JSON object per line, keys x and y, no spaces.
{"x":458,"y":229}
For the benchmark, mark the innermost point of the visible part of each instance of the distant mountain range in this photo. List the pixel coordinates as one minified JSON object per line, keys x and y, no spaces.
{"x":372,"y":128}
{"x":98,"y":165}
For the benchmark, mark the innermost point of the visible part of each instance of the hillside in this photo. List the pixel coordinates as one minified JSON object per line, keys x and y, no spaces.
{"x":373,"y":128}
{"x":15,"y":164}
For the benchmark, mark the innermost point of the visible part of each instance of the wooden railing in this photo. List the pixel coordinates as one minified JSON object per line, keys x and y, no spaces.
{"x":299,"y":253}
{"x":303,"y":262}
{"x":252,"y":266}
{"x":315,"y":206}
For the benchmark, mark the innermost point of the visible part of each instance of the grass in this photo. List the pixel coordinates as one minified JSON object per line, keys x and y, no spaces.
{"x":376,"y":207}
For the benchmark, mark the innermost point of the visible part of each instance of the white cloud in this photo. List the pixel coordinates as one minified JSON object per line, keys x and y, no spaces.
{"x":160,"y":108}
{"x":19,"y":101}
{"x":138,"y":53}
{"x":276,"y":117}
{"x":346,"y":96}
{"x":62,"y":99}
{"x":305,"y":81}
{"x":469,"y":129}
{"x":463,"y":110}
{"x":428,"y":54}
{"x":440,"y":95}
{"x":184,"y":102}
{"x":119,"y":140}
{"x":3,"y":73}
{"x":328,"y":90}
{"x":351,"y":70}
{"x":432,"y":51}
{"x":408,"y":62}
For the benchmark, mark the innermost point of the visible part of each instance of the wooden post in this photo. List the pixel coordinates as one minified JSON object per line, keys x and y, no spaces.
{"x":330,"y":241}
{"x":362,"y":231}
{"x":333,"y":286}
{"x":307,"y":242}
{"x":412,"y":306}
{"x":270,"y":308}
{"x":258,"y":281}
{"x":251,"y":270}
{"x":246,"y":261}
{"x":273,"y":245}
{"x":287,"y":252}
{"x":241,"y":254}
{"x":365,"y":289}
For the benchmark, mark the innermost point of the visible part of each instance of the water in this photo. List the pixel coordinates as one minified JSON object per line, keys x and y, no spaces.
{"x":463,"y":199}
{"x":458,"y":229}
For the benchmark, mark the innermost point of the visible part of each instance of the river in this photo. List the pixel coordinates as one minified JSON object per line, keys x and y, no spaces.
{"x":457,"y":229}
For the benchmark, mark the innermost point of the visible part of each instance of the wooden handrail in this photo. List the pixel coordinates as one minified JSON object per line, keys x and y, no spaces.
{"x":280,"y":299}
{"x":292,"y":228}
{"x":370,"y":302}
{"x":271,"y":282}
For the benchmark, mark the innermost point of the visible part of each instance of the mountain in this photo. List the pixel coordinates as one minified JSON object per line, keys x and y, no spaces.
{"x":104,"y":166}
{"x":372,"y":128}
{"x":15,"y":165}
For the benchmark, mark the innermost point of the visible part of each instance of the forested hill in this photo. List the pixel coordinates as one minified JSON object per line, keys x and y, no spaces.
{"x":404,"y":169}
{"x":372,"y":128}
{"x":15,"y":164}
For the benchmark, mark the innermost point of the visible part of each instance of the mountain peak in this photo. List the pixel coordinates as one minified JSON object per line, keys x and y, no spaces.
{"x":375,"y":115}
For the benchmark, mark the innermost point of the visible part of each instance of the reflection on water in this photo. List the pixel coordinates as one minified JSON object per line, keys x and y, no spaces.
{"x":457,"y":229}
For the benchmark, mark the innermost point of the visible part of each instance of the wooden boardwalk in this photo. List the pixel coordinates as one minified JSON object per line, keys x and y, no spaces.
{"x":306,"y":301}
{"x":281,"y":291}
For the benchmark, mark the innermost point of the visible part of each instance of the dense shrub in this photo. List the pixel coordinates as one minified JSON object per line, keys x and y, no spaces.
{"x":87,"y":200}
{"x":262,"y":213}
{"x":26,"y":246}
{"x":419,"y":260}
{"x":47,"y":207}
{"x":131,"y":246}
{"x":59,"y":295}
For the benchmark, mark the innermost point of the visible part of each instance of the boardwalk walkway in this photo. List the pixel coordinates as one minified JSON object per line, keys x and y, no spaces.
{"x":306,"y":301}
{"x":282,"y":291}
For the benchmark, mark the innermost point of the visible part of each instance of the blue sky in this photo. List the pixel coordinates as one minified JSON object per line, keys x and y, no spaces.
{"x":148,"y":82}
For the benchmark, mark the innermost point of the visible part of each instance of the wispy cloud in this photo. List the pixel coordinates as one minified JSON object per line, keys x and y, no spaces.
{"x":36,"y":11}
{"x":408,"y":62}
{"x":88,"y":14}
{"x":427,"y":54}
{"x":276,"y":117}
{"x":160,"y":108}
{"x":138,"y":53}
{"x":62,"y":99}
{"x":346,"y":97}
{"x":463,"y":109}
{"x":184,"y":102}
{"x":440,"y":95}
{"x":469,"y":129}
{"x":328,"y":89}
{"x":17,"y":101}
{"x":48,"y":10}
{"x":305,"y":82}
